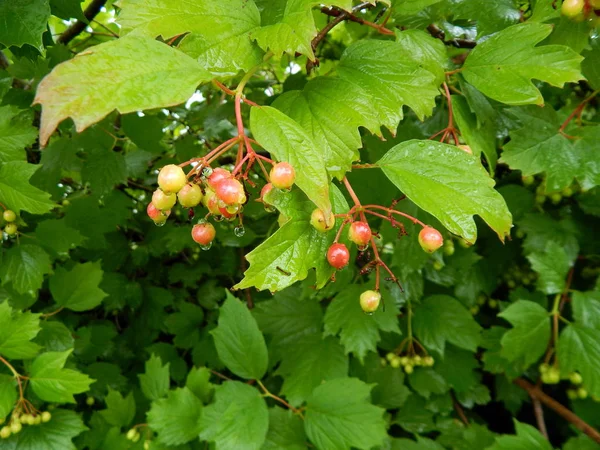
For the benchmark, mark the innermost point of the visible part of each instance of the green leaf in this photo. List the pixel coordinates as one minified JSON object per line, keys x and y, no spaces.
{"x":120,"y":410}
{"x":54,"y":435}
{"x":586,"y":308}
{"x":286,"y":431}
{"x":238,"y":418}
{"x":287,"y":141}
{"x":430,"y":52}
{"x":449,"y":184}
{"x":579,"y":351}
{"x":28,"y":21}
{"x":440,"y":319}
{"x":489,"y":17}
{"x":77,"y":88}
{"x":103,"y":170}
{"x":411,"y":7}
{"x":527,"y":438}
{"x":186,"y":325}
{"x":198,"y":382}
{"x":77,"y":289}
{"x":530,"y":334}
{"x":288,"y":254}
{"x":502,"y":66}
{"x":52,"y":383}
{"x":309,"y":361}
{"x":16,"y":133}
{"x":155,"y":381}
{"x":588,"y":171}
{"x":8,"y":395}
{"x":359,"y":332}
{"x":240,"y":344}
{"x":413,"y":417}
{"x":427,"y":381}
{"x":552,"y":265}
{"x":459,"y":369}
{"x":420,"y":444}
{"x":55,"y":235}
{"x":17,"y":329}
{"x":220,"y":42}
{"x":339,"y":416}
{"x":67,"y":9}
{"x":24,"y":266}
{"x":17,"y":194}
{"x":591,"y":65}
{"x":176,"y":418}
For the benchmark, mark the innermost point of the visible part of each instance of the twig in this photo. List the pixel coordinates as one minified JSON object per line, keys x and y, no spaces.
{"x":565,"y":413}
{"x":459,"y":409}
{"x":74,"y":30}
{"x":458,"y":43}
{"x":335,"y":12}
{"x":539,"y":416}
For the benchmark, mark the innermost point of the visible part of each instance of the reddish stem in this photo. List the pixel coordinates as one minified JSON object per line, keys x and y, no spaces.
{"x":577,"y":111}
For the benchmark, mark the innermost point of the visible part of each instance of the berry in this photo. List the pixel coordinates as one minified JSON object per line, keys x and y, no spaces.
{"x":163,"y":201}
{"x":540,"y":198}
{"x":359,"y":233}
{"x":11,"y":229}
{"x":338,"y":256}
{"x":190,"y":195}
{"x":146,"y":445}
{"x":265,"y":191}
{"x":282,"y":175}
{"x":46,"y":416}
{"x":493,"y":303}
{"x":428,"y":361}
{"x":390,"y":356}
{"x":544,"y":368}
{"x":575,"y":378}
{"x":474,"y":310}
{"x":409,"y":369}
{"x":37,"y":420}
{"x":417,"y":361}
{"x":9,"y":215}
{"x":369,"y":301}
{"x":5,"y":432}
{"x":528,"y":180}
{"x":203,"y":233}
{"x":217,"y":176}
{"x":16,"y":427}
{"x":317,"y":220}
{"x":171,"y":179}
{"x":131,"y":434}
{"x":572,"y":394}
{"x":437,"y":265}
{"x":449,"y":247}
{"x":226,"y":213}
{"x":430,"y":239}
{"x":395,"y":363}
{"x":582,"y":393}
{"x":211,"y":201}
{"x":90,"y":401}
{"x":556,"y":198}
{"x":157,"y":216}
{"x":465,"y":148}
{"x":230,"y":191}
{"x":567,"y":192}
{"x":572,"y":8}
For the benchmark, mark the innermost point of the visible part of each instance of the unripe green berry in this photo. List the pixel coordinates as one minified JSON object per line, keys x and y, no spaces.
{"x":572,"y":394}
{"x":369,"y":301}
{"x":567,"y":192}
{"x":11,"y":229}
{"x":493,"y":303}
{"x":544,"y":368}
{"x":131,"y":434}
{"x":408,"y":369}
{"x":390,"y":356}
{"x":572,"y":8}
{"x":575,"y":378}
{"x":556,"y":198}
{"x":5,"y":432}
{"x":46,"y":416}
{"x":9,"y":215}
{"x":437,"y":265}
{"x":90,"y":401}
{"x":582,"y":393}
{"x":395,"y":363}
{"x":37,"y":420}
{"x":449,"y":248}
{"x":528,"y":180}
{"x":383,"y":362}
{"x":16,"y":427}
{"x":171,"y":179}
{"x":539,"y":199}
{"x":317,"y":220}
{"x":428,"y":361}
{"x":146,"y":445}
{"x":163,"y":201}
{"x":190,"y":195}
{"x":404,"y":361}
{"x":474,"y":309}
{"x":417,"y":361}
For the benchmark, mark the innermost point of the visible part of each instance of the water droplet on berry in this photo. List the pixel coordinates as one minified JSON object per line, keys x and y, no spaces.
{"x":218,"y":218}
{"x":368,"y":313}
{"x":160,"y":224}
{"x":239,"y":231}
{"x":206,"y":247}
{"x":362,"y":248}
{"x":269,"y":208}
{"x":207,"y":172}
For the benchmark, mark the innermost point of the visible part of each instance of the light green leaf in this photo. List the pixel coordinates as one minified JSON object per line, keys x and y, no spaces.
{"x":198,"y":382}
{"x":552,"y":265}
{"x":77,"y":289}
{"x":238,"y":419}
{"x":530,"y":334}
{"x":24,"y":266}
{"x":54,"y":435}
{"x":16,"y":133}
{"x":287,"y":141}
{"x":220,"y":42}
{"x":586,"y":308}
{"x":489,"y":17}
{"x":289,"y":253}
{"x":420,"y":444}
{"x":437,"y":319}
{"x":286,"y":431}
{"x":24,"y":22}
{"x":359,"y":332}
{"x":390,"y":391}
{"x":8,"y":394}
{"x":591,"y":64}
{"x":579,"y":351}
{"x":309,"y":361}
{"x":502,"y":66}
{"x":411,"y":7}
{"x":67,"y":9}
{"x":77,"y":88}
{"x":52,"y":383}
{"x":339,"y":416}
{"x":176,"y":418}
{"x":17,"y":194}
{"x":17,"y":329}
{"x":155,"y":381}
{"x":427,"y":381}
{"x":527,"y":438}
{"x":240,"y":344}
{"x":430,"y":52}
{"x":449,"y":184}
{"x":120,"y":410}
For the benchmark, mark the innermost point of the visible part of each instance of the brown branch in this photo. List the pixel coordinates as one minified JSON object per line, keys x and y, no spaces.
{"x":535,"y":392}
{"x":458,"y":43}
{"x":458,"y":409}
{"x":539,"y":416}
{"x":336,"y":12}
{"x":74,"y":30}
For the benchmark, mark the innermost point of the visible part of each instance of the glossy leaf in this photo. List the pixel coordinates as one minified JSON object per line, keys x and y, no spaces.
{"x":17,"y":193}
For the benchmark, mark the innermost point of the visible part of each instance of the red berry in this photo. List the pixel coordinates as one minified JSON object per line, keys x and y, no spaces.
{"x":156,"y":214}
{"x":317,"y":220}
{"x":230,"y":191}
{"x":282,"y":175}
{"x":171,"y":179}
{"x":211,"y":201}
{"x":190,"y":195}
{"x":226,"y":214}
{"x":369,"y":301}
{"x":163,"y":201}
{"x":203,"y":233}
{"x":359,"y":233}
{"x":338,"y":256}
{"x":430,"y":239}
{"x":217,"y":176}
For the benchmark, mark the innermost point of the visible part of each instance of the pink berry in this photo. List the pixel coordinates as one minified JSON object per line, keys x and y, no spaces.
{"x":203,"y":233}
{"x":338,"y":256}
{"x":359,"y":233}
{"x":171,"y":179}
{"x":217,"y":176}
{"x":230,"y":191}
{"x":282,"y":175}
{"x":369,"y":301}
{"x":156,"y":214}
{"x":430,"y":239}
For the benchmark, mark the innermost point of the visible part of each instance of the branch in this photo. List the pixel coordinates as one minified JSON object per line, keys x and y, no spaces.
{"x":537,"y":393}
{"x":336,"y":12}
{"x":458,"y":43}
{"x":74,"y":30}
{"x":539,"y":416}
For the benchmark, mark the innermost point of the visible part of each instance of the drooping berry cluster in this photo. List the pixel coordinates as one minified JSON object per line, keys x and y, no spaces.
{"x":18,"y":420}
{"x":407,"y":362}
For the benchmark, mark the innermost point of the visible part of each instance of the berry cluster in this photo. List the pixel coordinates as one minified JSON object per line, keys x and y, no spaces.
{"x":17,"y":421}
{"x":10,"y":218}
{"x":549,"y":374}
{"x":541,"y":194}
{"x":407,"y":362}
{"x":219,"y":190}
{"x":483,"y":300}
{"x":581,"y":10}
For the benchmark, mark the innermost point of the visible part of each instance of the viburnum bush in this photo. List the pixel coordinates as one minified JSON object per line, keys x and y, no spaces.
{"x":291,"y":224}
